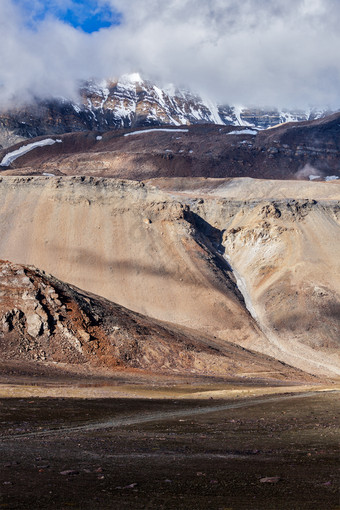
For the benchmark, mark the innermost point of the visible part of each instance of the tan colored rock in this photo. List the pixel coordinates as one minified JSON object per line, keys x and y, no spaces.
{"x":167,"y":271}
{"x":35,"y":325}
{"x":215,"y":249}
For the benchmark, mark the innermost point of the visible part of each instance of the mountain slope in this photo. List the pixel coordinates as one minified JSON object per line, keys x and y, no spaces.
{"x":133,"y":102}
{"x":304,"y":150}
{"x":282,"y":241}
{"x":43,"y":319}
{"x":127,"y":242}
{"x":246,"y":261}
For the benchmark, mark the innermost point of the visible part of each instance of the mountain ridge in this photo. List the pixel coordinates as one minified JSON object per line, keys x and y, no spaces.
{"x":306,"y":150}
{"x":129,"y":102}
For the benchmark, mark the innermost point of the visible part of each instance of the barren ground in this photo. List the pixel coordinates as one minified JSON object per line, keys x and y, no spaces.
{"x":289,"y":151}
{"x":186,"y":444}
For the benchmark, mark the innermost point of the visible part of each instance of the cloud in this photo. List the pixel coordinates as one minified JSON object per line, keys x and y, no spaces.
{"x":309,"y":171}
{"x":254,"y":52}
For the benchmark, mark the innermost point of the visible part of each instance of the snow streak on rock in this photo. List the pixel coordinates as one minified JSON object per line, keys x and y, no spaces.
{"x":12,"y":156}
{"x":243,"y":132}
{"x":157,"y":130}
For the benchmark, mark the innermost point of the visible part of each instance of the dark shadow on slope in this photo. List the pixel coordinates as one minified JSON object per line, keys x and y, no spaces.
{"x":212,"y":233}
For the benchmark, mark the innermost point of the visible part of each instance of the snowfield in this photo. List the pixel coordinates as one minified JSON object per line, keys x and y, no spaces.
{"x":12,"y":156}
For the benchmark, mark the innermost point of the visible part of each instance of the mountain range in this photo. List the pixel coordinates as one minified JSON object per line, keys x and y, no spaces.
{"x":129,"y":102}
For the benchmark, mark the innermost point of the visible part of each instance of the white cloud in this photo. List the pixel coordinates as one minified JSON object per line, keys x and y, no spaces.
{"x":282,"y":52}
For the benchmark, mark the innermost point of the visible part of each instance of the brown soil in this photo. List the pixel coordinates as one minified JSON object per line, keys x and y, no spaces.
{"x":270,"y":453}
{"x":284,"y":152}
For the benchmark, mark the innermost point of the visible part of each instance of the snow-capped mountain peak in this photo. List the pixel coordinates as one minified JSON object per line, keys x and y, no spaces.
{"x":131,"y":101}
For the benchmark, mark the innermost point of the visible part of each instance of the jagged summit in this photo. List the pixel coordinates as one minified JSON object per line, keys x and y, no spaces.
{"x":131,"y":101}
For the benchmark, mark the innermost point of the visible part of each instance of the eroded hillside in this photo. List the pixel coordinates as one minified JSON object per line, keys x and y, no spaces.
{"x":284,"y":255}
{"x":43,"y":319}
{"x":125,"y":241}
{"x":261,"y":272}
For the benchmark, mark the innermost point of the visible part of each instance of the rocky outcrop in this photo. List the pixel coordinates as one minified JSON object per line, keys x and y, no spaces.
{"x":43,"y":319}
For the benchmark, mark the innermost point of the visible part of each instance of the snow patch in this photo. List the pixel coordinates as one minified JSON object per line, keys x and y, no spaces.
{"x":157,"y":130}
{"x":312,"y":177}
{"x":331,"y":178}
{"x":12,"y":156}
{"x":76,"y":108}
{"x":160,"y":96}
{"x":130,"y":82}
{"x":124,"y":110}
{"x":99,"y":138}
{"x":243,"y":132}
{"x":46,"y":174}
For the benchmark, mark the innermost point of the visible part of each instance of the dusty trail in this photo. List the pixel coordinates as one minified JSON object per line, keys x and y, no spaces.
{"x":164,"y":415}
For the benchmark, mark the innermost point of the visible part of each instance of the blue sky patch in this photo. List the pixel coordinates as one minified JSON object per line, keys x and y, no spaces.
{"x":87,"y":15}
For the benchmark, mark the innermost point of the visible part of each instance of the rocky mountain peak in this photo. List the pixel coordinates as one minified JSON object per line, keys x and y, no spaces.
{"x":131,"y":101}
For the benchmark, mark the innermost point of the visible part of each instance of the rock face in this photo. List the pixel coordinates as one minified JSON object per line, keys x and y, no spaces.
{"x":43,"y":319}
{"x":198,"y":254}
{"x":127,"y":242}
{"x":286,"y":251}
{"x":306,"y":150}
{"x":132,"y":102}
{"x":284,"y":255}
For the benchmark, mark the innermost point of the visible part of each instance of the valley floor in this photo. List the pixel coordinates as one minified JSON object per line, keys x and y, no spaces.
{"x":178,"y":444}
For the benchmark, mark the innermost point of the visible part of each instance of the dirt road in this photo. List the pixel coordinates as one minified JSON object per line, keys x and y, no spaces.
{"x":166,"y":415}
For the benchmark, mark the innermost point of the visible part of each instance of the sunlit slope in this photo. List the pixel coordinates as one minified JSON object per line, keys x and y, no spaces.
{"x":127,"y":242}
{"x":261,"y":271}
{"x":43,"y":319}
{"x":285,"y":254}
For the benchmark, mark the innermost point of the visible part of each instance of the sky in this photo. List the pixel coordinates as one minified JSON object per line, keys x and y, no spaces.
{"x":281,"y":53}
{"x":85,"y":15}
